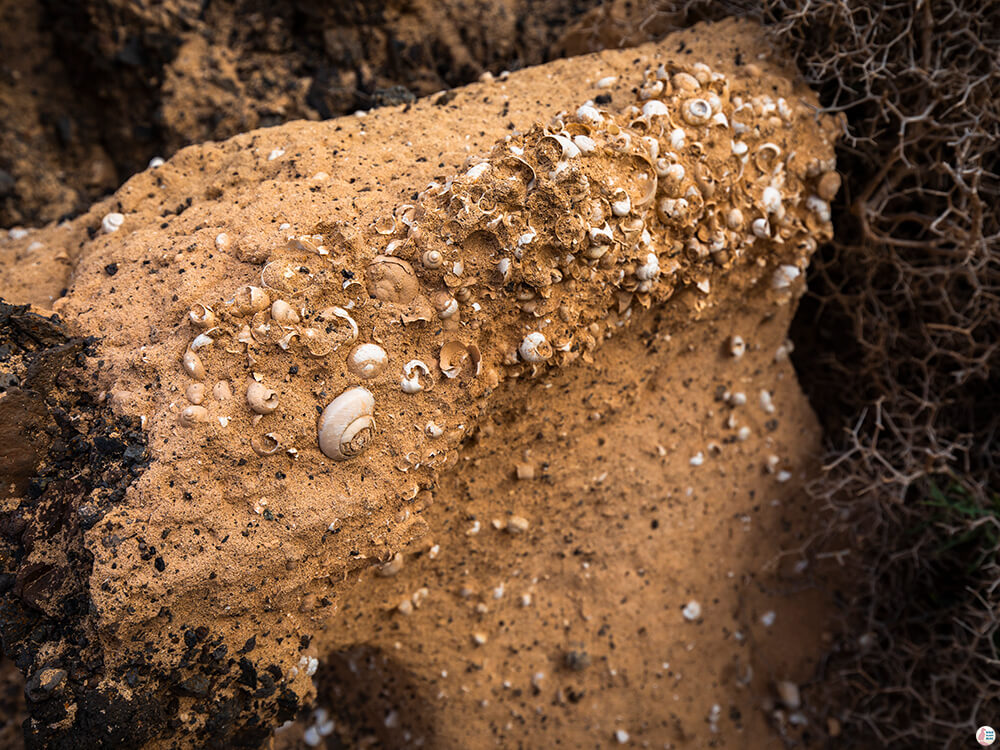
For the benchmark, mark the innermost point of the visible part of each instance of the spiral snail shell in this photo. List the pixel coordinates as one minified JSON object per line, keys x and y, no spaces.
{"x":347,"y":424}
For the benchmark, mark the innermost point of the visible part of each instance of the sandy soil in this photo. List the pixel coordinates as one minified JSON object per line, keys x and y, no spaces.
{"x":645,"y":482}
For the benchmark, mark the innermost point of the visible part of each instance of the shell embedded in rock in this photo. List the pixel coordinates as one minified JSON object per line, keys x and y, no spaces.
{"x":367,"y":360}
{"x":260,"y":398}
{"x":391,"y":279}
{"x":347,"y":424}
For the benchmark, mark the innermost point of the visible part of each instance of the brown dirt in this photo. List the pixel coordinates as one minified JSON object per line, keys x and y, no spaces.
{"x":272,"y":557}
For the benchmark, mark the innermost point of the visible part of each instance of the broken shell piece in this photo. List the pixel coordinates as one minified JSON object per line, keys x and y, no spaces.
{"x":262,"y":400}
{"x":193,"y":365}
{"x":433,"y":430}
{"x":412,"y":371}
{"x":202,"y":316}
{"x":194,"y":415}
{"x":265,"y":445}
{"x":250,"y":299}
{"x":391,"y":279}
{"x":200,"y":342}
{"x":367,"y":360}
{"x":535,"y":348}
{"x":347,"y":424}
{"x":392,"y":567}
{"x":455,"y":354}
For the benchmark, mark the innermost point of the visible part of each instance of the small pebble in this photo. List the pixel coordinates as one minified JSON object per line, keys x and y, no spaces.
{"x":691,"y":611}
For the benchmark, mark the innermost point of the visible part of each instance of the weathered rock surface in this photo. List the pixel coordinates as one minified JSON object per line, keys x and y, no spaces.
{"x":198,"y":601}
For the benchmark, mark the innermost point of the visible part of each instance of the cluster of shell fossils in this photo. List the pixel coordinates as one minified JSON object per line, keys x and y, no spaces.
{"x":523,"y":262}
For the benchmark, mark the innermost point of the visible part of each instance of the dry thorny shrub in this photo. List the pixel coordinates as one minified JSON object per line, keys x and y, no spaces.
{"x":899,"y":348}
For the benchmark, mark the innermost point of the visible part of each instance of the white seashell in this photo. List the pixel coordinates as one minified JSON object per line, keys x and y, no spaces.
{"x":697,"y":111}
{"x":347,"y":424}
{"x":771,"y":199}
{"x":739,"y":148}
{"x":433,"y":430}
{"x":601,"y":235}
{"x":761,"y":228}
{"x":737,"y":346}
{"x":819,"y":207}
{"x":589,"y":114}
{"x":784,"y":276}
{"x":478,"y":170}
{"x":654,"y":107}
{"x":504,"y":267}
{"x":367,"y":360}
{"x":412,"y":371}
{"x":449,"y":309}
{"x":719,"y":119}
{"x":535,"y":348}
{"x":262,"y":400}
{"x":112,"y":223}
{"x":621,"y":204}
{"x":691,"y":611}
{"x":606,"y":82}
{"x":734,"y":218}
{"x":649,"y":270}
{"x":677,"y":138}
{"x":585,"y":143}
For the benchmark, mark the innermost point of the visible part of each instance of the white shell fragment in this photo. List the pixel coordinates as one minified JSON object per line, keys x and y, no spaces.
{"x":347,"y":424}
{"x":412,"y":371}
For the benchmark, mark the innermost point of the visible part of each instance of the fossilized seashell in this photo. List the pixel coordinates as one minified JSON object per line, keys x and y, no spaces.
{"x":201,"y":341}
{"x":347,"y":424}
{"x":202,"y":316}
{"x":391,"y":279}
{"x":367,"y":360}
{"x":250,"y":299}
{"x":784,"y":276}
{"x":621,"y":204}
{"x":696,"y":111}
{"x":283,"y":313}
{"x":195,"y":393}
{"x":829,"y":186}
{"x":265,"y":445}
{"x":262,"y":400}
{"x":287,"y":275}
{"x":454,"y":355}
{"x":685,"y":82}
{"x":193,"y":365}
{"x":445,"y":304}
{"x":535,"y":348}
{"x":767,"y":156}
{"x":193,"y":415}
{"x":432,"y":259}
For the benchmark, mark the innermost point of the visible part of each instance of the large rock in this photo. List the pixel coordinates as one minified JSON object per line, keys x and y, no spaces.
{"x":497,"y":234}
